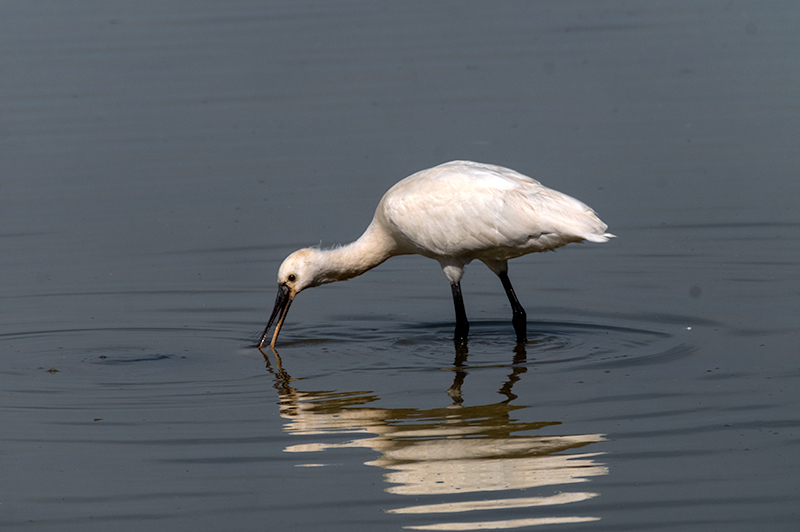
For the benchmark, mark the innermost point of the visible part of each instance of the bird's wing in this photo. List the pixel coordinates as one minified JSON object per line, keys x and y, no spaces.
{"x":468,"y":209}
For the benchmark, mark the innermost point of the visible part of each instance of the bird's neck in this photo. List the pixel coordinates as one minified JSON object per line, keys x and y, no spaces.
{"x":370,"y":250}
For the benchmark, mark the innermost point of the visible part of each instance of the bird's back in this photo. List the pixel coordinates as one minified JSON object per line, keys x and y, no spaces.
{"x":469,"y":210}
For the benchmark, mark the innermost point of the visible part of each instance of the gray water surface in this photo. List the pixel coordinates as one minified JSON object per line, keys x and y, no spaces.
{"x":160,"y":159}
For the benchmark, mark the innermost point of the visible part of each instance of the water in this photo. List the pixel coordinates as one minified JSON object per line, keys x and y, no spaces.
{"x":159,"y":159}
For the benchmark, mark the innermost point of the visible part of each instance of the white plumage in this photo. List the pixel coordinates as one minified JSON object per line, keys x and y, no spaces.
{"x":453,"y":213}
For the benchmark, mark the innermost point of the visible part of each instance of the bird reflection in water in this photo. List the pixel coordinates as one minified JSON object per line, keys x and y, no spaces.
{"x":454,"y":449}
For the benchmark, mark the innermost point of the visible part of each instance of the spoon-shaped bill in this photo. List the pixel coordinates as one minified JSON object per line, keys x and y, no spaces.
{"x":282,"y":304}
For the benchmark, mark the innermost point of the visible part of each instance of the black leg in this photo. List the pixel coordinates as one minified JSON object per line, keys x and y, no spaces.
{"x":462,"y":325}
{"x":519,"y":319}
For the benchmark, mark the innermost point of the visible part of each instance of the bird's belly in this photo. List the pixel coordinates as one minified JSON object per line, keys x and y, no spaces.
{"x":533,"y":245}
{"x":465,"y":252}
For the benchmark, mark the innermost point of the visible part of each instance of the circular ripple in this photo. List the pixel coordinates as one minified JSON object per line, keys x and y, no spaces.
{"x":555,"y":344}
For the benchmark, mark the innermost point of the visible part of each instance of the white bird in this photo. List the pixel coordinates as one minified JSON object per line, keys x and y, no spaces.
{"x":453,"y":213}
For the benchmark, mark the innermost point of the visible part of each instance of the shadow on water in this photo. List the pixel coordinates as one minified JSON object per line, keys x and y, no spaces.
{"x":450,"y":450}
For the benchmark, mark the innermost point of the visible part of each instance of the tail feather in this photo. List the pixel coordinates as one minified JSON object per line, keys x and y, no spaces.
{"x":599,"y":238}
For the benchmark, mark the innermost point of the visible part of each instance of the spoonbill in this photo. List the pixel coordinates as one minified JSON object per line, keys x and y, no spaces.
{"x":453,"y":213}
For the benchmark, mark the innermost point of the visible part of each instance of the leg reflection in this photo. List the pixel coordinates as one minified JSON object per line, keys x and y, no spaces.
{"x":517,"y":369}
{"x":459,"y":366}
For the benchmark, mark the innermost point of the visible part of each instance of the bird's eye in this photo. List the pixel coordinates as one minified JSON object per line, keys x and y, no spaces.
{"x":292,"y":278}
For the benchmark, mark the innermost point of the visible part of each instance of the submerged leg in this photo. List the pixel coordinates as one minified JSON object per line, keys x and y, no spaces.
{"x":519,"y":319}
{"x":462,"y":325}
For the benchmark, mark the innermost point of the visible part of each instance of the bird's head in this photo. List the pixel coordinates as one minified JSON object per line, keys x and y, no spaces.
{"x":300,"y":270}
